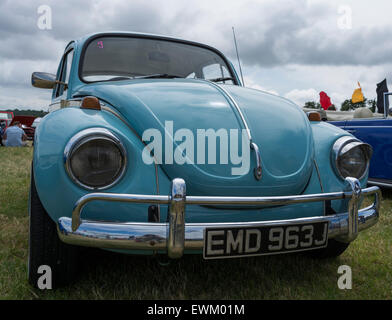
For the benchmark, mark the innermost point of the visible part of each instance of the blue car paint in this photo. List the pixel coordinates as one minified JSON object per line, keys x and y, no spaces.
{"x":194,"y":105}
{"x":377,"y":133}
{"x":56,"y":190}
{"x":302,"y":142}
{"x":139,"y":178}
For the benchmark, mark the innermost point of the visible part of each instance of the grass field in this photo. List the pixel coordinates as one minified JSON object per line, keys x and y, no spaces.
{"x":106,"y":275}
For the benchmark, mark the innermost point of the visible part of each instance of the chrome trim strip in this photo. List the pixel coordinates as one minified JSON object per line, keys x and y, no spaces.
{"x":380,"y":183}
{"x":253,"y":146}
{"x":318,"y":174}
{"x":176,"y":235}
{"x":258,"y":170}
{"x":237,"y":107}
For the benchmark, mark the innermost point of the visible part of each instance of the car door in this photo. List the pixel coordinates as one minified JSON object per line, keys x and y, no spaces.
{"x":377,"y":133}
{"x":340,"y":124}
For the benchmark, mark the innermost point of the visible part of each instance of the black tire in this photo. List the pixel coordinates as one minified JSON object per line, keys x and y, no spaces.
{"x":333,"y":250}
{"x":45,"y":247}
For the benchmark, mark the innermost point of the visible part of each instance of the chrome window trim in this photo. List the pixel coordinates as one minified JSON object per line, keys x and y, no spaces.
{"x":59,"y":83}
{"x":340,"y":143}
{"x":88,"y":135}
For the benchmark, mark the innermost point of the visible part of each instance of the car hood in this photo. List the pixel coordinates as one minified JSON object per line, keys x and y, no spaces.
{"x":278,"y":127}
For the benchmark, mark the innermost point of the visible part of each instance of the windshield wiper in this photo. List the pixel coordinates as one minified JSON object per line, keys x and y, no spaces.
{"x":149,"y":76}
{"x":221,"y":79}
{"x":119,"y":78}
{"x":158,"y":75}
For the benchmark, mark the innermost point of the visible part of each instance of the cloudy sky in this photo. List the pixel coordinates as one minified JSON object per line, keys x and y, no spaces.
{"x":293,"y":48}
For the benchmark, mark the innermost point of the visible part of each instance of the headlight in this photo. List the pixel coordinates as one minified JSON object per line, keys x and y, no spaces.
{"x":95,"y":158}
{"x":350,"y":157}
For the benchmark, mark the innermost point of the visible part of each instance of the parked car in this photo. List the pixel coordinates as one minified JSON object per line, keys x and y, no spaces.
{"x":100,"y":180}
{"x":36,"y":122}
{"x":374,"y":129}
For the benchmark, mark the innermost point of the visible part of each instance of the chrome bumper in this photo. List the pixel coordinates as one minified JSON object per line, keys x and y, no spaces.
{"x":176,"y":235}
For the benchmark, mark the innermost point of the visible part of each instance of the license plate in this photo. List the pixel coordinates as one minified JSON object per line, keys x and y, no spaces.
{"x":235,"y":242}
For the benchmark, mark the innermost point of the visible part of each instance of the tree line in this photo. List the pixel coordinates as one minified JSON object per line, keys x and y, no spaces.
{"x":347,"y":105}
{"x":28,"y":112}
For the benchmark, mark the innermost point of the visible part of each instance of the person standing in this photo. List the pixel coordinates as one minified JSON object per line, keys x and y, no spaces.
{"x":14,"y":136}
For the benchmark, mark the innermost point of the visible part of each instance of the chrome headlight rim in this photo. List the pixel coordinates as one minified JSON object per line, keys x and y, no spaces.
{"x":343,"y":142}
{"x":85,"y":136}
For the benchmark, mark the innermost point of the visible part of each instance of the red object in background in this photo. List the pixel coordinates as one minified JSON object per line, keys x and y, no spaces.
{"x":26,"y":122}
{"x":325,"y":101}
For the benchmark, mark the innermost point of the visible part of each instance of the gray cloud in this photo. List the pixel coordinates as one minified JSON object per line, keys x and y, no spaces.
{"x":270,"y":33}
{"x":295,"y":34}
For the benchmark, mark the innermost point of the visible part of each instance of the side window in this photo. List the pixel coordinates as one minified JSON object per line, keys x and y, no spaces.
{"x":64,"y":73}
{"x":214,"y":71}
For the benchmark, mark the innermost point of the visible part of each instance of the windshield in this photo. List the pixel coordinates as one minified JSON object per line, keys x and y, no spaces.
{"x":5,"y":116}
{"x":118,"y":58}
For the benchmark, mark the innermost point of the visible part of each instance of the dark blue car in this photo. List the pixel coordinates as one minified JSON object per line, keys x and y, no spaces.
{"x":376,"y":131}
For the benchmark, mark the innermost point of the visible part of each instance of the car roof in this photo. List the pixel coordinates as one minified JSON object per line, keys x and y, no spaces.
{"x":136,"y":34}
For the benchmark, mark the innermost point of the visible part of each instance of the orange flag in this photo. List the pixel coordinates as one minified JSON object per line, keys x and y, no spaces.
{"x":357,"y":95}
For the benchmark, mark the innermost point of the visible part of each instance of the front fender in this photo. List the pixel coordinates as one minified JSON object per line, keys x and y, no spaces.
{"x":56,"y":190}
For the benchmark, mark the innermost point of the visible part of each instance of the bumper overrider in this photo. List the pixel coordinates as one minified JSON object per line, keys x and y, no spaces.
{"x":175,"y":236}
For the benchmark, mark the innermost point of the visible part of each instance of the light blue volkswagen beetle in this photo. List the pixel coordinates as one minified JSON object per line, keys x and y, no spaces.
{"x":153,"y":146}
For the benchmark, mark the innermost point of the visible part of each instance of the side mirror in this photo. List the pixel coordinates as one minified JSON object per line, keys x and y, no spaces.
{"x":43,"y":80}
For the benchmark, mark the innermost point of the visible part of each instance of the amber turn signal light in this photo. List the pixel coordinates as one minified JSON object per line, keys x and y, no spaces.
{"x":90,"y":103}
{"x":314,"y":116}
